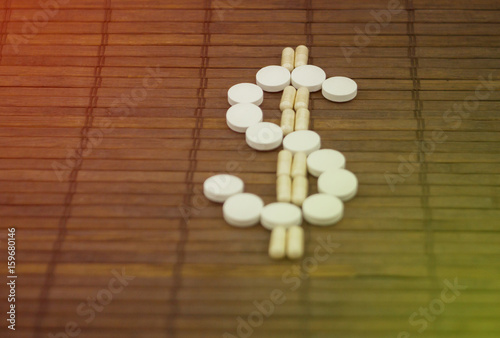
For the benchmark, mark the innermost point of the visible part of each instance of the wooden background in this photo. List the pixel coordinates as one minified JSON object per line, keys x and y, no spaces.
{"x":132,"y":202}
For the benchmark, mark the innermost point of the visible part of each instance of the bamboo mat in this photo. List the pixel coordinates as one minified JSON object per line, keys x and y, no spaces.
{"x":139,"y":88}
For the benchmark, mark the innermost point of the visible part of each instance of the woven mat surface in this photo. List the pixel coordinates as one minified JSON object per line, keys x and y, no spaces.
{"x":112,"y":114}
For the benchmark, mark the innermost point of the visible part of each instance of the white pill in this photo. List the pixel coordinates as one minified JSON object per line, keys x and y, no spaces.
{"x":321,"y":160}
{"x":340,"y":89}
{"x":243,"y":115}
{"x":219,"y":188}
{"x":322,"y":209}
{"x":309,"y":76}
{"x":264,"y":136}
{"x":273,"y":78}
{"x":305,"y":141}
{"x":245,"y":93}
{"x":242,"y":210}
{"x":280,"y":214}
{"x":295,"y":242}
{"x":277,"y":243}
{"x":338,"y":182}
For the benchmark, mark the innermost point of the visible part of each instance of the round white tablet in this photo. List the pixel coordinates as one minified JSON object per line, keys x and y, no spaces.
{"x":273,"y":78}
{"x":309,"y":76}
{"x":338,"y":182}
{"x":322,"y":209}
{"x":321,"y":160}
{"x":280,"y":214}
{"x":219,"y":188}
{"x":264,"y":136}
{"x":340,"y":89}
{"x":243,"y":115}
{"x":305,"y":141}
{"x":245,"y":93}
{"x":242,"y":210}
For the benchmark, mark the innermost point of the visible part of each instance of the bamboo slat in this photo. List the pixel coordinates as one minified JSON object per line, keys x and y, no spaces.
{"x":134,"y":204}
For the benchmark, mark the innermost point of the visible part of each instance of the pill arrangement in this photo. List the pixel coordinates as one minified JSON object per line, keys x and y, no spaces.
{"x":301,"y":155}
